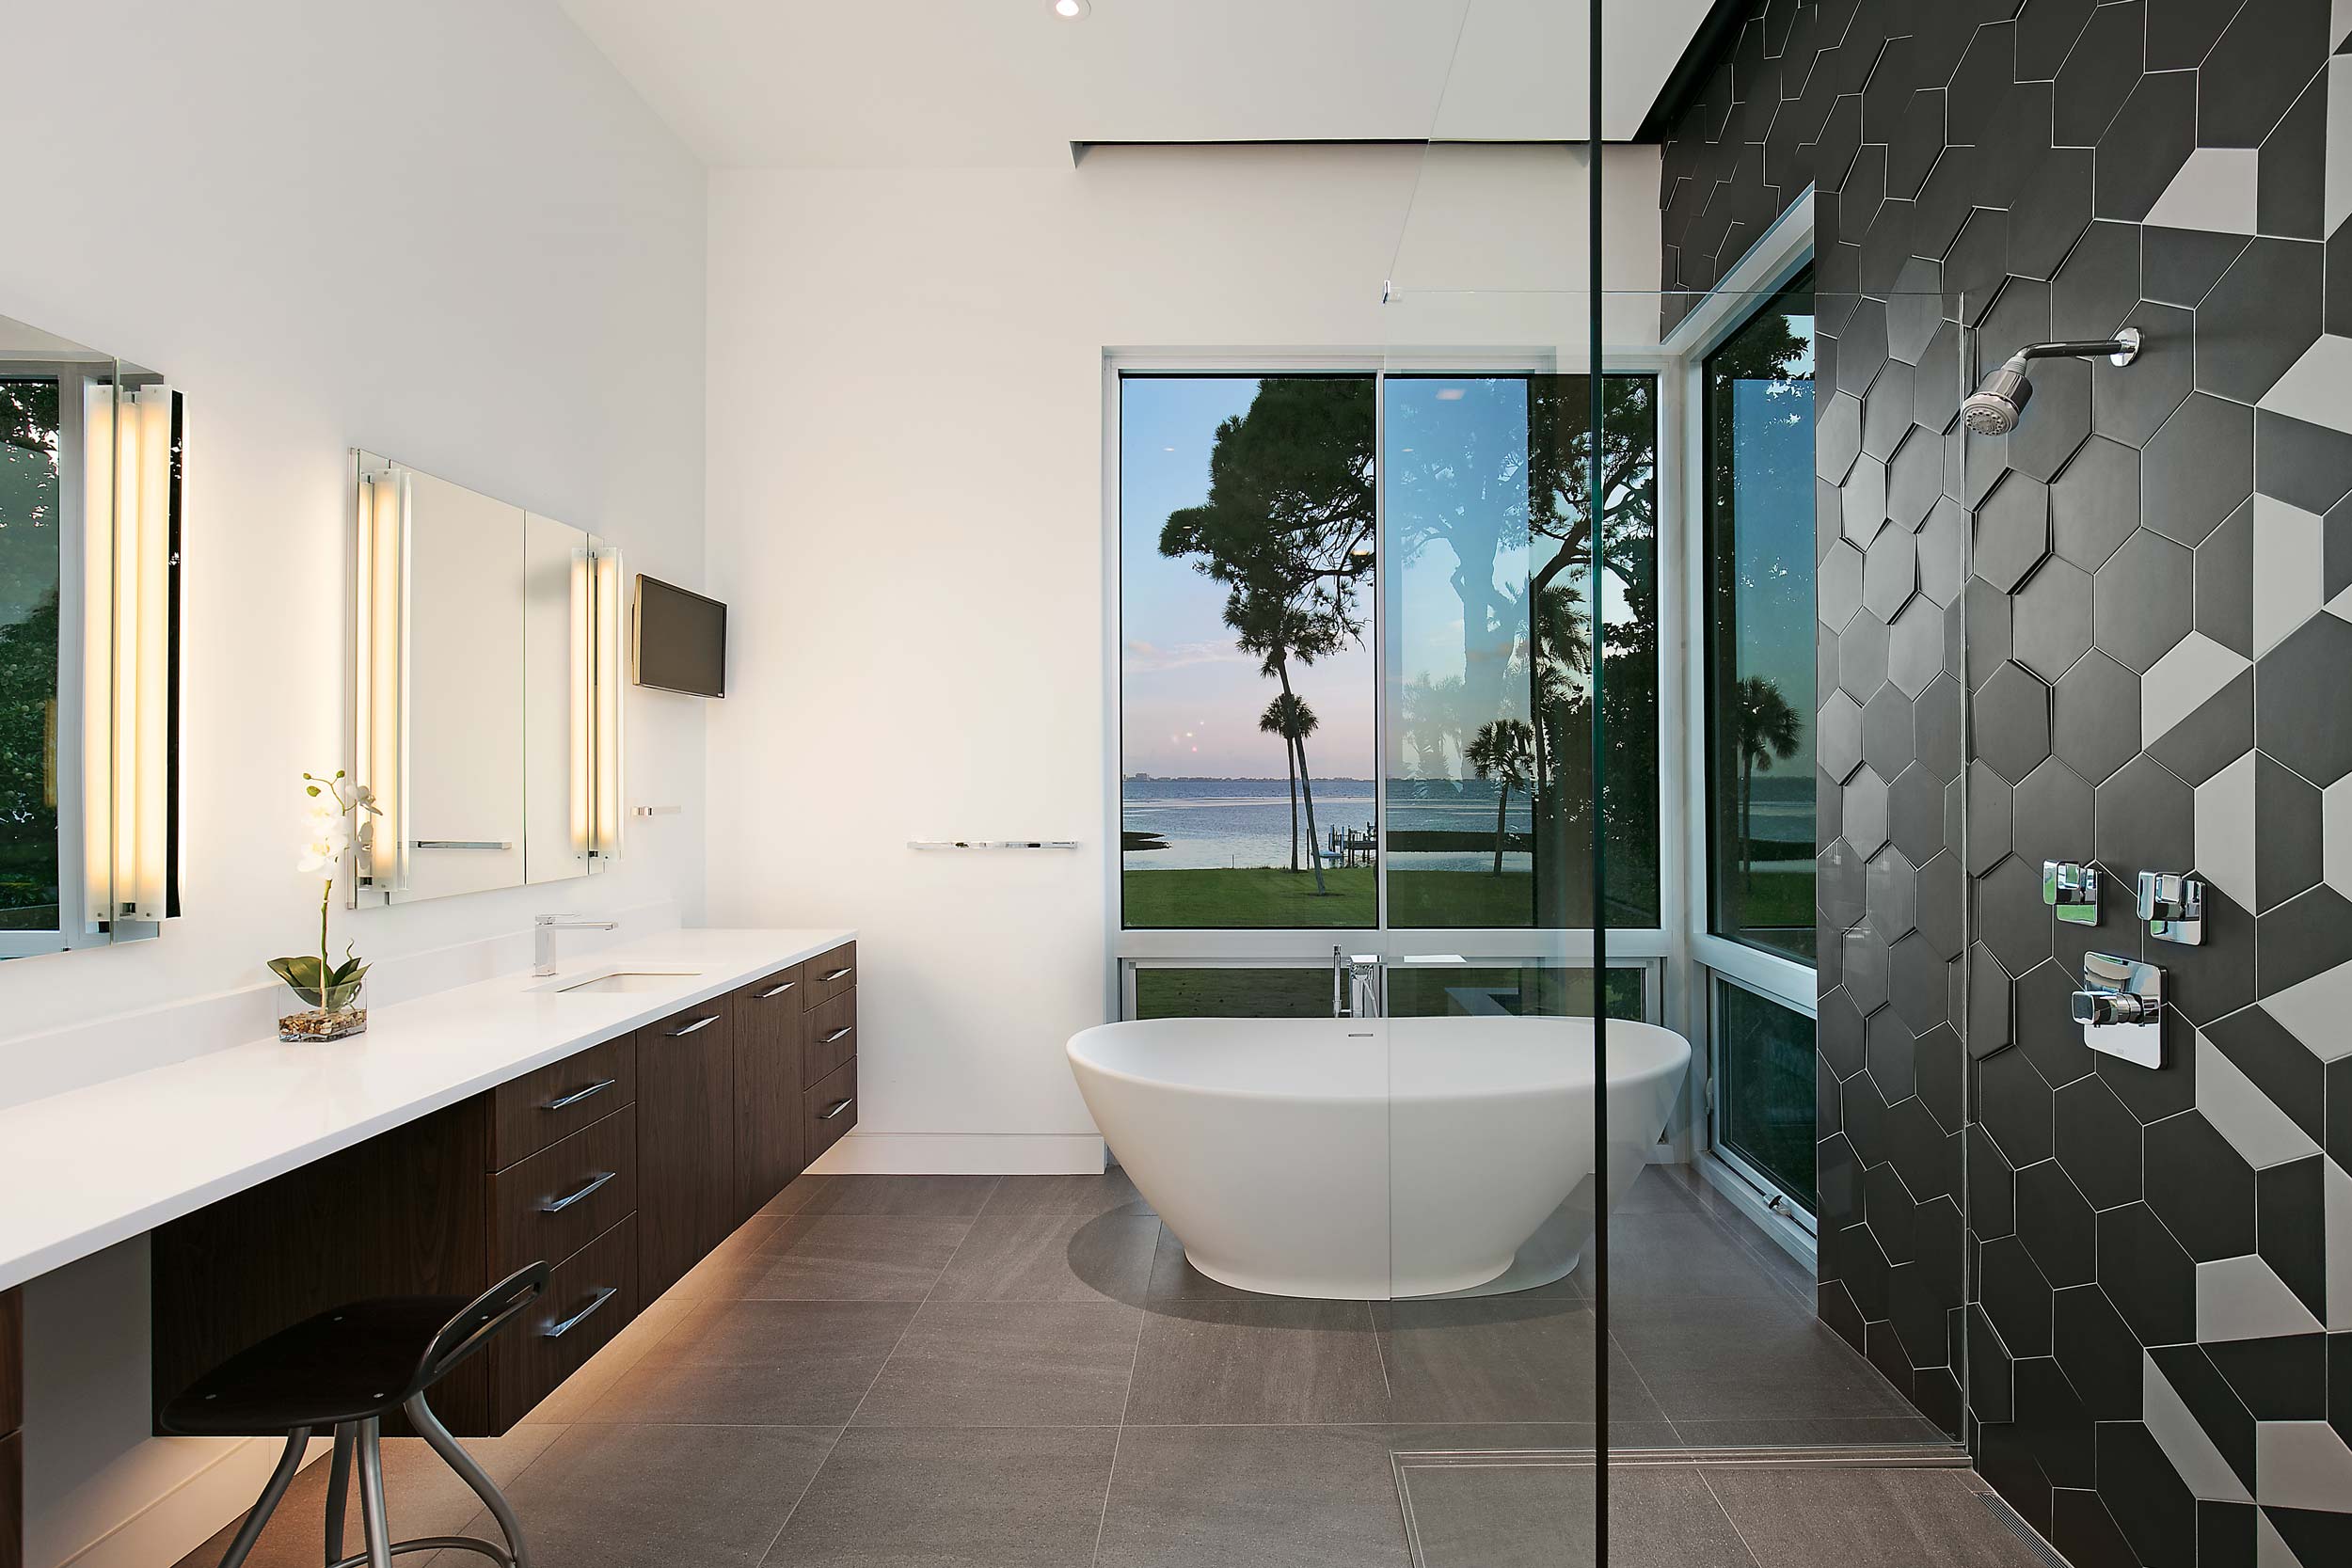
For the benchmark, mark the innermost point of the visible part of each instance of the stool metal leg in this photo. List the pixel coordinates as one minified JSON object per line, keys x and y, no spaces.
{"x":373,"y":1523}
{"x":429,"y":1427}
{"x":255,"y":1522}
{"x":338,"y":1489}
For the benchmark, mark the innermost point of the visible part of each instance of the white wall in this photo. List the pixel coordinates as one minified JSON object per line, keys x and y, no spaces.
{"x":443,"y":230}
{"x":907,"y":514}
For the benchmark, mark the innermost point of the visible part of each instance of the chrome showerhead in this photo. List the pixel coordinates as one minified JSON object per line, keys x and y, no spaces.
{"x":1994,"y":409}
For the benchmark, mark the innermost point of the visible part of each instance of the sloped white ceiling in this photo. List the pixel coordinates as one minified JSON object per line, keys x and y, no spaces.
{"x":752,"y":84}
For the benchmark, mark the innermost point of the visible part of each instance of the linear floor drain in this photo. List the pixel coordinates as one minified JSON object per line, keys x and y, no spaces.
{"x":2018,"y":1525}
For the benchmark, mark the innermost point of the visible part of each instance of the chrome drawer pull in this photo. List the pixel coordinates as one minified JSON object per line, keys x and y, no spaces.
{"x":560,"y":1100}
{"x":556,"y":1206}
{"x":698,"y":1024}
{"x":845,"y":1030}
{"x":779,"y":991}
{"x":557,"y":1331}
{"x":835,"y":1110}
{"x":835,"y":976}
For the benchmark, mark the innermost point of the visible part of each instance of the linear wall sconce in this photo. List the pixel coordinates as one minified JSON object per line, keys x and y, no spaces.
{"x":126,"y":724}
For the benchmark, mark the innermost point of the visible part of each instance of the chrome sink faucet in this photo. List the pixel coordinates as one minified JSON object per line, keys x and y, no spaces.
{"x":543,"y":930}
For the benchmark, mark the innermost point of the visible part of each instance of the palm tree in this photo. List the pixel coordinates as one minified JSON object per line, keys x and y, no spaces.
{"x":1503,"y":750}
{"x":1765,"y":728}
{"x":1289,"y":717}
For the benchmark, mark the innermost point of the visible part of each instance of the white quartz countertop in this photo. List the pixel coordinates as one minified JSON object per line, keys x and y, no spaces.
{"x":83,"y":1170}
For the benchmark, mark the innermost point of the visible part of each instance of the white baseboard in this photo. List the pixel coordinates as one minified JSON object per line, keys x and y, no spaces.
{"x":963,"y":1154}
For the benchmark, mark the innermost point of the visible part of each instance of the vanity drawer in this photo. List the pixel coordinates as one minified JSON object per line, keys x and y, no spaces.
{"x":829,"y":1109}
{"x":533,"y":1111}
{"x":783,"y":989}
{"x":590,"y":1298}
{"x":562,"y":1197}
{"x":832,"y":1038}
{"x":830,"y":974}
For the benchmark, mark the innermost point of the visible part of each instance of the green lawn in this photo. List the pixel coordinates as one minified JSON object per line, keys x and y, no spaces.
{"x":1258,"y":897}
{"x":1250,"y":896}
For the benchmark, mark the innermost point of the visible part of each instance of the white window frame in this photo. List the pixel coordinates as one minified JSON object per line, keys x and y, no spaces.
{"x":1652,"y":949}
{"x":1770,"y":265}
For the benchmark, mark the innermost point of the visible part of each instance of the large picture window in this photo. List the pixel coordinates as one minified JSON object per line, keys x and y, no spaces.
{"x":1757,"y":389}
{"x":1248,"y":516}
{"x":1258,"y":620}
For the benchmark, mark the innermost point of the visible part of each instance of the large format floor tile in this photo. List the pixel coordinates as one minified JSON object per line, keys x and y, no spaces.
{"x":1173,"y":1276}
{"x":423,"y":1496}
{"x":1252,"y":1498}
{"x":1108,"y":1193}
{"x":1543,"y":1516}
{"x":851,"y":1258}
{"x":1798,"y":1518}
{"x":1053,"y":1258}
{"x":778,"y":1363}
{"x":940,"y":1196}
{"x":1267,"y":1360}
{"x":1500,"y":1359}
{"x":624,"y":1497}
{"x":1008,"y":1363}
{"x":1005,"y":1497}
{"x":1718,"y":1359}
{"x":1677,"y":1255}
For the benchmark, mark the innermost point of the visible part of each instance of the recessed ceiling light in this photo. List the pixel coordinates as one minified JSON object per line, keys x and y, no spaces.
{"x":1072,"y":10}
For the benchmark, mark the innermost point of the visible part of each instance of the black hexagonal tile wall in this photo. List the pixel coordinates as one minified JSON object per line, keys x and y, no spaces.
{"x":2199,"y":468}
{"x":2013,"y":531}
{"x":2094,"y":505}
{"x":2013,"y":722}
{"x":2005,"y":154}
{"x":2143,"y":600}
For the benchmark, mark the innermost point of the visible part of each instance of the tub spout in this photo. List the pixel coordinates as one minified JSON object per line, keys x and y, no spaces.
{"x":1363,"y":986}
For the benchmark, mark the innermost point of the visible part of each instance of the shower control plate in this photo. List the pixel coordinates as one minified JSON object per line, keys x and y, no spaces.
{"x":2115,"y":986}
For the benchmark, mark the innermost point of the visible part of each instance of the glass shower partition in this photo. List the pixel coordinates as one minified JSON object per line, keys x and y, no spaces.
{"x":1739,"y":1239}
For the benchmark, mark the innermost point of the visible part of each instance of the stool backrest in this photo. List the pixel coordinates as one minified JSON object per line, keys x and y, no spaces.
{"x":476,"y":1322}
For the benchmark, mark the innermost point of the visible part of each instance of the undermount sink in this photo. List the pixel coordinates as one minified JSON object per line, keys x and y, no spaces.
{"x":625,"y":980}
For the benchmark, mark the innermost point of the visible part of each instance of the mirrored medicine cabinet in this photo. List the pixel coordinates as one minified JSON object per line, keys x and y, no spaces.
{"x":485,"y":689}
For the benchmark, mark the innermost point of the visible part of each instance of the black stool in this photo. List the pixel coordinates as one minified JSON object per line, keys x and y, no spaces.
{"x":349,"y":1368}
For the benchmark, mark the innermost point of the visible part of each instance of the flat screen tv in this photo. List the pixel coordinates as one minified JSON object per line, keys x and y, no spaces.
{"x":681,"y":640}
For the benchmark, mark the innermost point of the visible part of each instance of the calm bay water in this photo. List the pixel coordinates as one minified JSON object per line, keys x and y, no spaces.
{"x":1240,"y":822}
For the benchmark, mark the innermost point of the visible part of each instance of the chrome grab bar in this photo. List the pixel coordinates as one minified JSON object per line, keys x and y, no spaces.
{"x":777,"y":990}
{"x":560,"y":1102}
{"x":838,"y":1034}
{"x":462,"y":844}
{"x":556,"y":1206}
{"x":698,"y":1024}
{"x":835,"y":1110}
{"x":557,"y":1331}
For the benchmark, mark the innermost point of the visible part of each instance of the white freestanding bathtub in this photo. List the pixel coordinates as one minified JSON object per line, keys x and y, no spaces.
{"x":1365,"y":1159}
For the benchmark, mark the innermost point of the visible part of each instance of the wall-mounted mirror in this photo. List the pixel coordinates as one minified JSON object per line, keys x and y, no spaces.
{"x":89,"y":611}
{"x":485,"y":689}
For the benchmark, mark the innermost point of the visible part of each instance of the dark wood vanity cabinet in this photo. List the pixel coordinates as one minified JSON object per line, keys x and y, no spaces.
{"x":685,"y":1141}
{"x":769,"y":1150}
{"x":446,"y":1204}
{"x":621,"y":1166}
{"x":795,"y":1073}
{"x":12,"y":1434}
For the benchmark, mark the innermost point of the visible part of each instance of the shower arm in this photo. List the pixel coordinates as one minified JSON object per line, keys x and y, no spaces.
{"x":2121,"y":349}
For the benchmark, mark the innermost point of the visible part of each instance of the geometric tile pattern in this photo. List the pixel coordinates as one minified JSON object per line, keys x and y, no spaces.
{"x":2156,"y":1304}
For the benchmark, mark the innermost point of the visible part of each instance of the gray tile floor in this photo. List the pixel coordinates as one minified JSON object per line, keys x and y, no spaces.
{"x":910,"y":1371}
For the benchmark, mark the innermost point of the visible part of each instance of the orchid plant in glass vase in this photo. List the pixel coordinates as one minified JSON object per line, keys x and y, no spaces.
{"x":335,"y":812}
